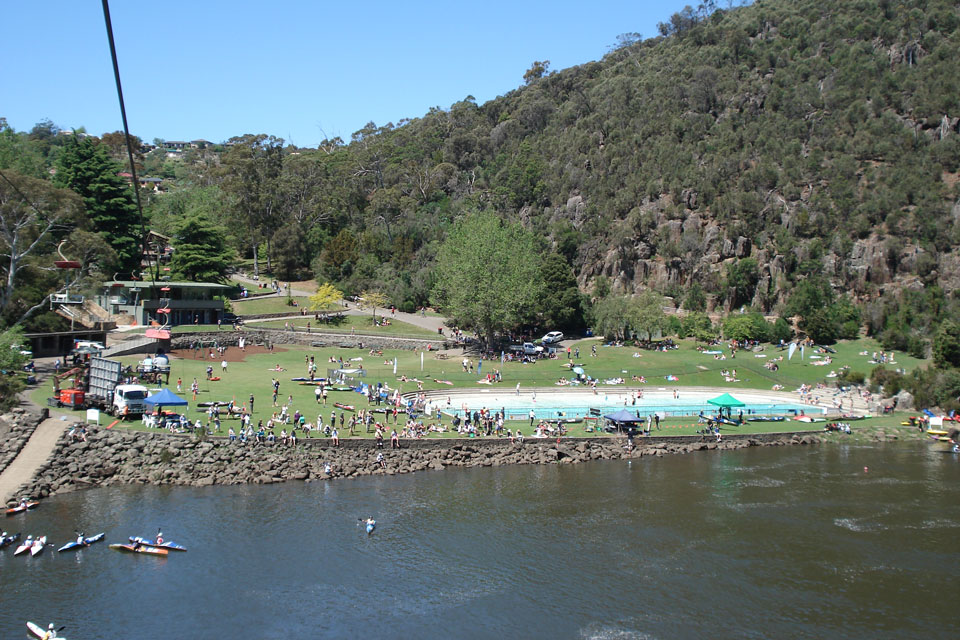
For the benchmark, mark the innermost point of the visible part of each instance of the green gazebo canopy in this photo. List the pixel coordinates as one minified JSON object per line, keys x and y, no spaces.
{"x":726,"y":400}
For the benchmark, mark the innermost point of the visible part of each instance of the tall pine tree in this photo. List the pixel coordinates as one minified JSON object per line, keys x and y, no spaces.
{"x":85,"y":167}
{"x":200,"y":255}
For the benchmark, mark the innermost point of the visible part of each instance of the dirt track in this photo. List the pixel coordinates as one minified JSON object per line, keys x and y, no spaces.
{"x":232,"y":354}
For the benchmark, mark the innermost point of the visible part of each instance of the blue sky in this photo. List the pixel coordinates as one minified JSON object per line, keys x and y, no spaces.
{"x":295,"y":69}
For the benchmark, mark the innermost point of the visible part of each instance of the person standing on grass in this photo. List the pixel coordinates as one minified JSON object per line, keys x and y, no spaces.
{"x":223,"y":366}
{"x":251,"y":403}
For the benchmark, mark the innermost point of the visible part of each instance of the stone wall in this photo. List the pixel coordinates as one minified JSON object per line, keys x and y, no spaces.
{"x":127,"y":457}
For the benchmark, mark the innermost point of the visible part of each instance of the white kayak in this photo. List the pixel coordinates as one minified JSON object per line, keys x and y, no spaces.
{"x":38,"y":546}
{"x":24,"y":547}
{"x":36,"y":631}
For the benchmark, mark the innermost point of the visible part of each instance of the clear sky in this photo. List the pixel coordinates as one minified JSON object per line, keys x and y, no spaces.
{"x":296,"y":69}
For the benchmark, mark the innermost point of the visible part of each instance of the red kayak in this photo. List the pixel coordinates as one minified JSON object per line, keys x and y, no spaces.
{"x":130,"y":548}
{"x":346,"y":407}
{"x":21,"y":508}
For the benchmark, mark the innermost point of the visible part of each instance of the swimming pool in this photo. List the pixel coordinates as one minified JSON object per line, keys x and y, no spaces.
{"x":578,"y":403}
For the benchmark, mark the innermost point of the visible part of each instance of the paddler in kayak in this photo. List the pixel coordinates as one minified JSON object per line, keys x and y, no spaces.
{"x":159,"y":537}
{"x":371,"y":525}
{"x":51,"y":632}
{"x":137,"y":543}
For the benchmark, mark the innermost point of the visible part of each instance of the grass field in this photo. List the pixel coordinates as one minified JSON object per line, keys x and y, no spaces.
{"x":362,"y":324}
{"x":268,"y":304}
{"x":254,"y":375}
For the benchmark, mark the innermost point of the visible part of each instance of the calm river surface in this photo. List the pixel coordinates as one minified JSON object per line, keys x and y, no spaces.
{"x":785,"y":542}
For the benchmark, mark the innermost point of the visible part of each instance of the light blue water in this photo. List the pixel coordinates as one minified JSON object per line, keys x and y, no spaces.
{"x":552,"y":411}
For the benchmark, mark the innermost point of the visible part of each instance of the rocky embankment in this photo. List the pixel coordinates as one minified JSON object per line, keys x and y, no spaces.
{"x":16,"y":428}
{"x":121,"y":457}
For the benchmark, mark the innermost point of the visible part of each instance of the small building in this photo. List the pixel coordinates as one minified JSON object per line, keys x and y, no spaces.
{"x":60,"y":343}
{"x":158,"y":249}
{"x":179,"y":145}
{"x":188,"y":302}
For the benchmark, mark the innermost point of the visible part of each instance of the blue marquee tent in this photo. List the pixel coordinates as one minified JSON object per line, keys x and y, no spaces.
{"x":165,"y":398}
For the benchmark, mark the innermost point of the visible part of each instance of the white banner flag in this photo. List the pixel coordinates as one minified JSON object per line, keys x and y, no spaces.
{"x":394,"y":366}
{"x":421,"y":361}
{"x":790,"y":351}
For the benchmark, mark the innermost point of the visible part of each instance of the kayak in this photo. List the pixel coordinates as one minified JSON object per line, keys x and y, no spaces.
{"x":25,"y":546}
{"x":345,"y":407}
{"x":74,"y":544}
{"x":766,"y":419}
{"x":36,"y":631}
{"x":129,"y":548}
{"x":167,"y":544}
{"x":370,"y":527}
{"x":38,"y":546}
{"x":6,"y":541}
{"x":21,"y":508}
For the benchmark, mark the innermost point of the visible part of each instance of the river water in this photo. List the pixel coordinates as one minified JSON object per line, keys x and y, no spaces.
{"x":776,"y":542}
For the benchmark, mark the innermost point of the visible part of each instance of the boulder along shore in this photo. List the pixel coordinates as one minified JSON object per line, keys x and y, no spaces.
{"x":110,"y":457}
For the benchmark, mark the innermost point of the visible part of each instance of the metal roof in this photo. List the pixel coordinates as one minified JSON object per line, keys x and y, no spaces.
{"x":146,"y":284}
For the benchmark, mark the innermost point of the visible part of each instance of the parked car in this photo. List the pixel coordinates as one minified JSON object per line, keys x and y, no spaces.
{"x":552,"y":338}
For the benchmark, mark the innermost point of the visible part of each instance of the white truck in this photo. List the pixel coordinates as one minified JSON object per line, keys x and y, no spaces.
{"x":527,"y":348}
{"x":104,"y":390}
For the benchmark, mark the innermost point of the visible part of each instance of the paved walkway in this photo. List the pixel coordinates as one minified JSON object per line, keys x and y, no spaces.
{"x":431,"y":323}
{"x":38,"y":448}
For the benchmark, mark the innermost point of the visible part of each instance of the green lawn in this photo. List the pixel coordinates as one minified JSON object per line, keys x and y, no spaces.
{"x":254,"y":375}
{"x":268,"y":304}
{"x":362,"y":324}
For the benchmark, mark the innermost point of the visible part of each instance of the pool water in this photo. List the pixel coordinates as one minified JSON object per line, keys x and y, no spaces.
{"x":579,"y":404}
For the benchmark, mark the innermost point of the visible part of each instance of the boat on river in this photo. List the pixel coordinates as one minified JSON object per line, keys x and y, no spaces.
{"x":79,"y":544}
{"x":20,"y":508}
{"x":38,"y":546}
{"x":36,"y":631}
{"x":132,"y":548}
{"x":7,"y":540}
{"x":166,"y":544}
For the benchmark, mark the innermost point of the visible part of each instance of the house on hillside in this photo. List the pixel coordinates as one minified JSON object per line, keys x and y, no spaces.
{"x":188,"y":302}
{"x":145,"y":183}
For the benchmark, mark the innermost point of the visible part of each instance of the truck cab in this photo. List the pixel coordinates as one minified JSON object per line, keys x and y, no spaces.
{"x":128,"y":400}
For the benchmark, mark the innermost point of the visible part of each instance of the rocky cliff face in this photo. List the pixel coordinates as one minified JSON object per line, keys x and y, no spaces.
{"x":673,"y":249}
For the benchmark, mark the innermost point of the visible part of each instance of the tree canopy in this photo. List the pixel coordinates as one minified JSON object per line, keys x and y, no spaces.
{"x":86,"y":168}
{"x":488,"y":274}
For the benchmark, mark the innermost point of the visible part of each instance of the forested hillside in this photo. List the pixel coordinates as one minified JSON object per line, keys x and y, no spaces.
{"x":797,"y":157}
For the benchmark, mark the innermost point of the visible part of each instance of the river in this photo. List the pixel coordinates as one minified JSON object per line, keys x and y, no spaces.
{"x":766,"y":542}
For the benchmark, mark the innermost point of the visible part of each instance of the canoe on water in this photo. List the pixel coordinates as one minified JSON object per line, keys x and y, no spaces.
{"x":38,"y":546}
{"x":36,"y":631}
{"x":21,"y":508}
{"x":76,"y":544}
{"x":24,"y":547}
{"x":166,"y":544}
{"x":129,"y":548}
{"x":6,"y":541}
